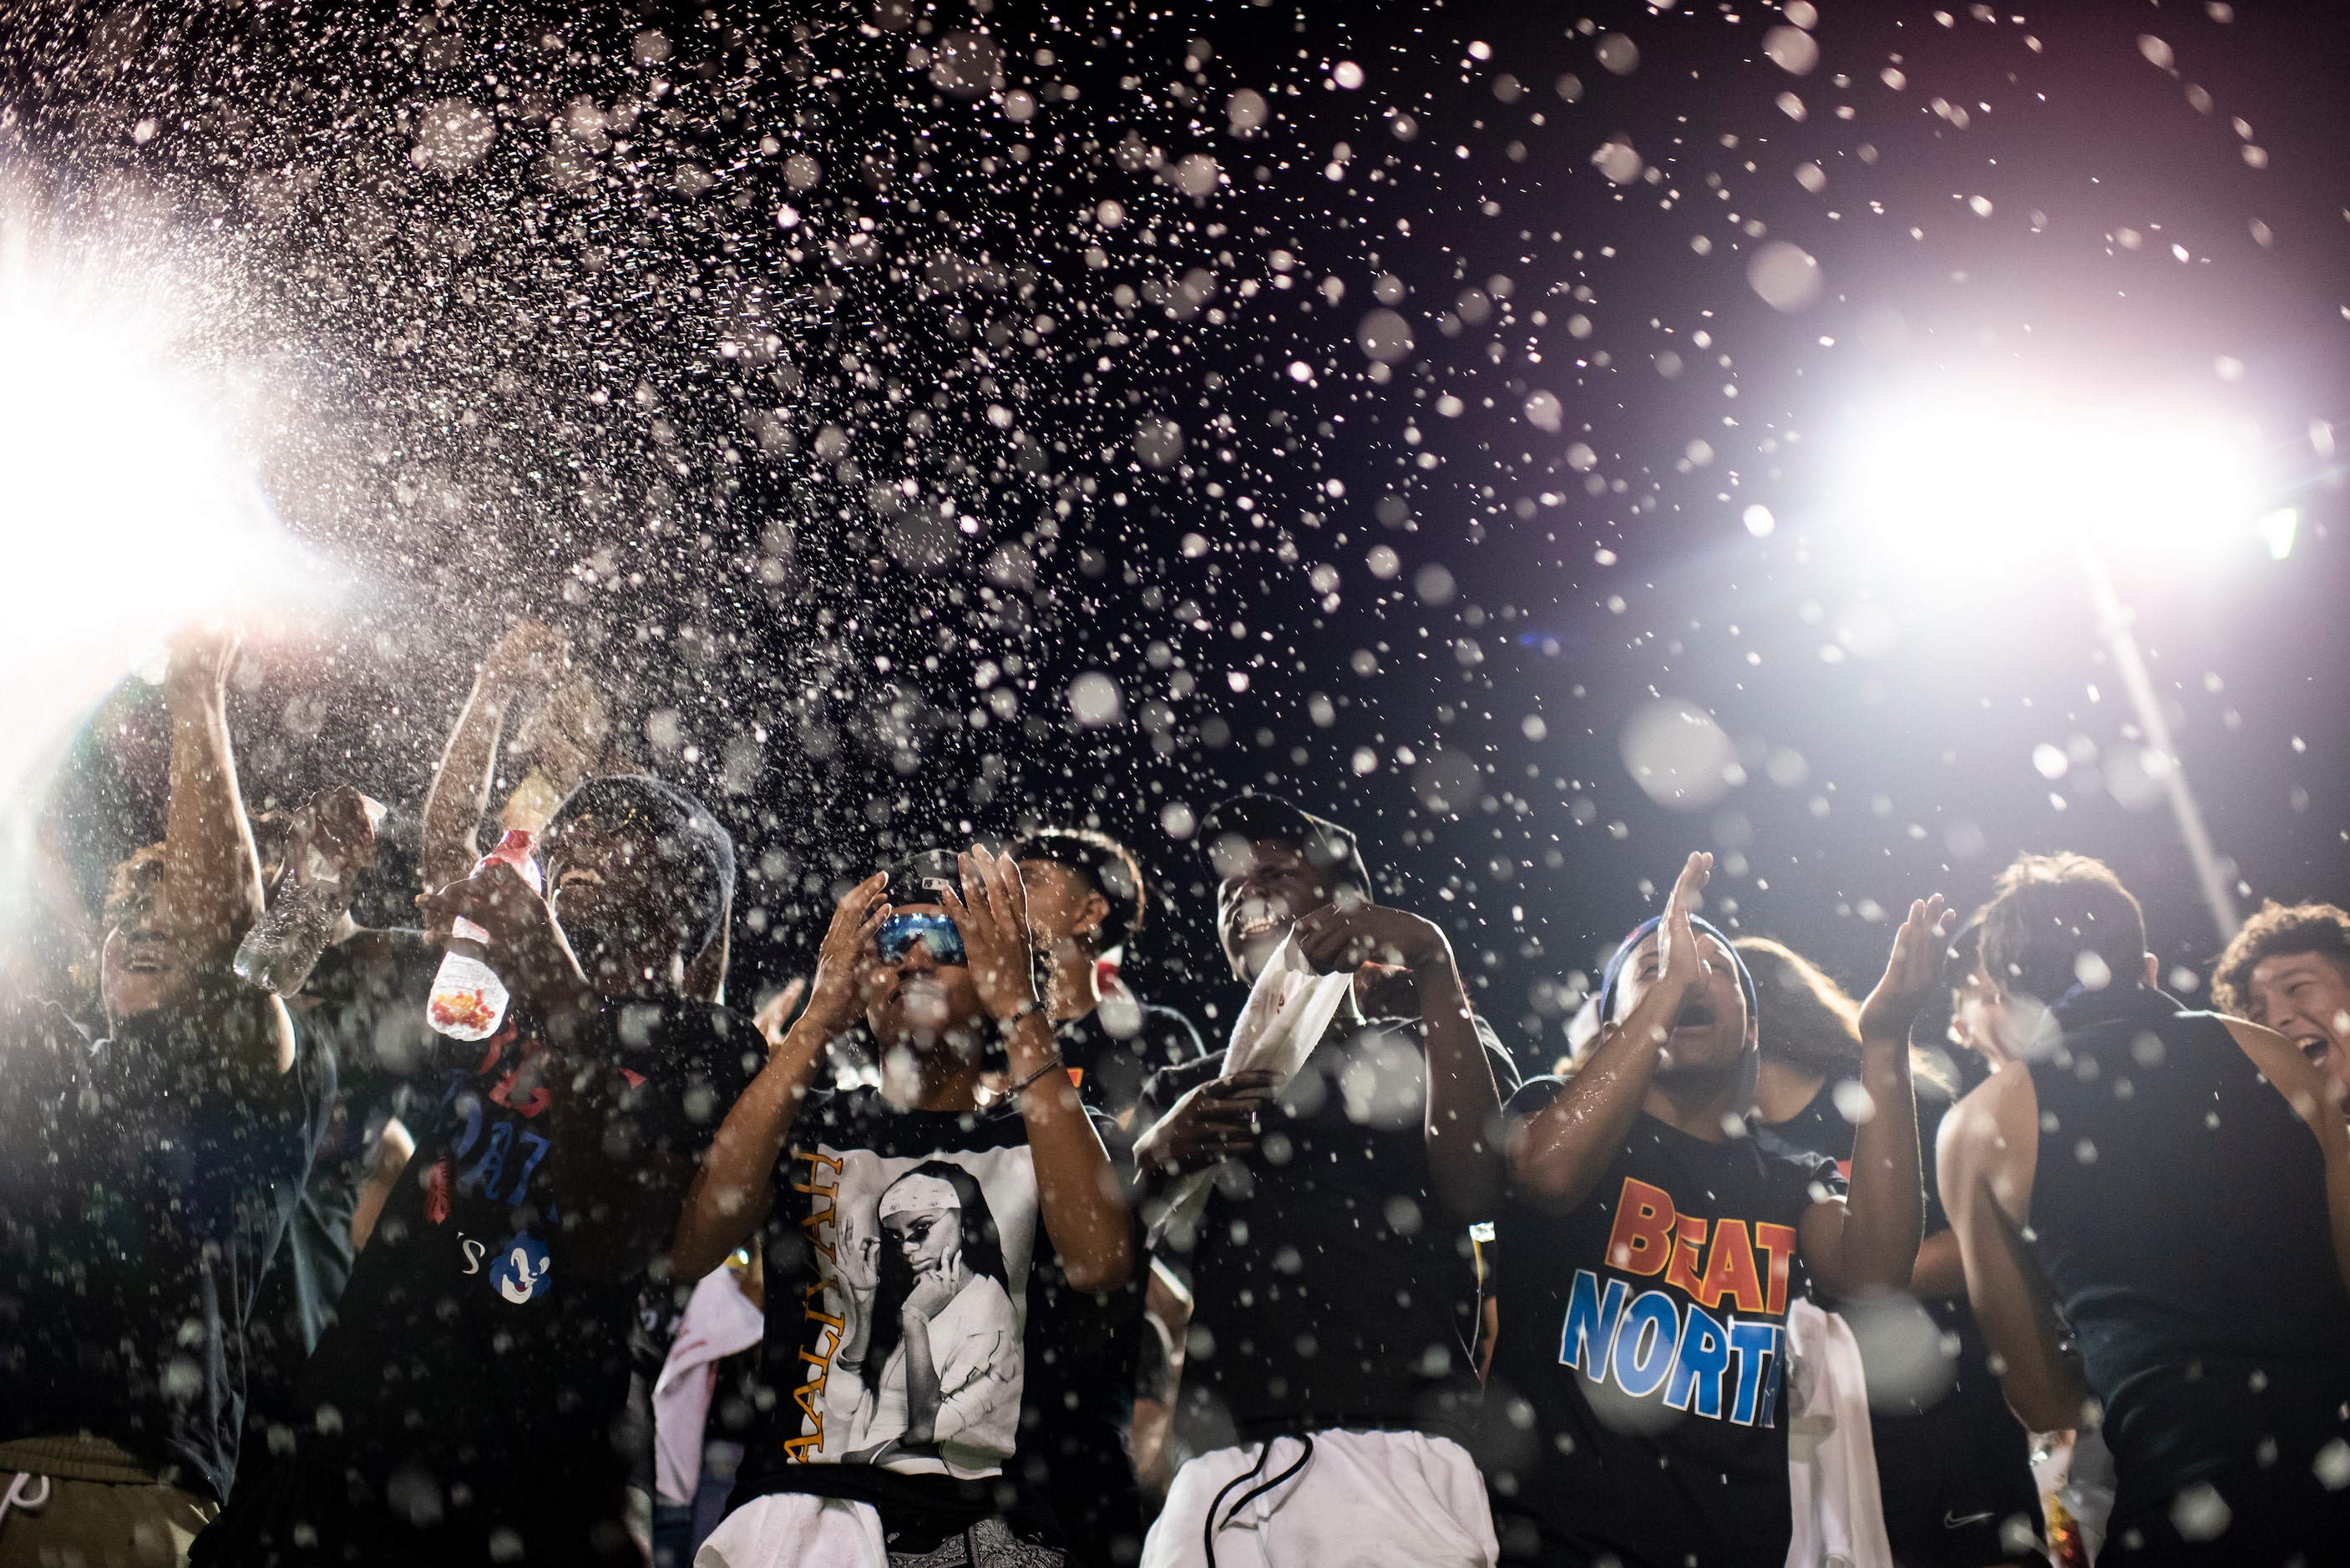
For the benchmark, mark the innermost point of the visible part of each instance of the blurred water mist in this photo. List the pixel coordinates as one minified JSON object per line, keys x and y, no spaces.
{"x":129,"y":510}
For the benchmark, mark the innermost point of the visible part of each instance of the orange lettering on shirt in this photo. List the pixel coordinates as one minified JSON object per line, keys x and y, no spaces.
{"x":815,"y":1160}
{"x":1729,"y":1269}
{"x":1779,"y":1240}
{"x":1640,"y":1242}
{"x":1688,"y":1240}
{"x":795,"y":1450}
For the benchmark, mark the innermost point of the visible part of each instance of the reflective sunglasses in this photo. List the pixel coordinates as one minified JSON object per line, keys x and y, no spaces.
{"x":899,"y":933}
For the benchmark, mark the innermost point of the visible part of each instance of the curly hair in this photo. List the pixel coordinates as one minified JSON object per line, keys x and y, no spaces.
{"x":1108,"y":867}
{"x":2278,"y":931}
{"x":2047,"y":912}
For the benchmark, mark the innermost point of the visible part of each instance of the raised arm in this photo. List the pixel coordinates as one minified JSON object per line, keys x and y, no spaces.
{"x":1870,"y":1241}
{"x":1462,"y":1118}
{"x":598,"y":1171}
{"x":731,"y":1196}
{"x":1990,"y":1153}
{"x":1083,"y":1201}
{"x":212,"y":874}
{"x":530,"y":652}
{"x":1559,"y":1153}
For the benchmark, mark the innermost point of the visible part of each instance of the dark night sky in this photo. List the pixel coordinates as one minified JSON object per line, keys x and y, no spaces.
{"x":595,"y":353}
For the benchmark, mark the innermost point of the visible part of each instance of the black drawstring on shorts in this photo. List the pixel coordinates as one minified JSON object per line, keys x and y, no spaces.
{"x":1207,"y":1538}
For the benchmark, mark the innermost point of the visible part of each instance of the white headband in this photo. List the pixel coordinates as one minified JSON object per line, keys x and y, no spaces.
{"x":917,"y":1195}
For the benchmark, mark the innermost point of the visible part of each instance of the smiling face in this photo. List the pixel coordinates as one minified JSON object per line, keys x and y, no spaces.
{"x":925,"y":1237}
{"x":2305,"y":997}
{"x":914,"y":1003}
{"x":1711,"y":1033}
{"x":1265,"y":887}
{"x":139,"y":967}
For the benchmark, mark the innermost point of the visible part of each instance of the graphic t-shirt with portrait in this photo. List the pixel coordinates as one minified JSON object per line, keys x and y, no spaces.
{"x":1637,"y":1408}
{"x":913,"y":1310}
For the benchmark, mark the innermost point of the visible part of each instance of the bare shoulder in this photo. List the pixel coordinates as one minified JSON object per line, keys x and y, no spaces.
{"x":1992,"y":1137}
{"x":1993,"y":1108}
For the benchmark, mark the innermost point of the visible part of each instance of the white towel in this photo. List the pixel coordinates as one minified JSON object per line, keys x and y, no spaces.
{"x":1287,"y":1011}
{"x":1831,"y":1458}
{"x":719,"y":1321}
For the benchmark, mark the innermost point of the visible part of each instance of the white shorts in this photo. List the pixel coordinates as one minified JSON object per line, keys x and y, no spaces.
{"x":796,"y":1529}
{"x":1362,"y":1499}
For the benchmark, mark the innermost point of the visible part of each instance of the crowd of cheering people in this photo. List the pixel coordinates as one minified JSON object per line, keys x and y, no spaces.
{"x":961,"y":1254}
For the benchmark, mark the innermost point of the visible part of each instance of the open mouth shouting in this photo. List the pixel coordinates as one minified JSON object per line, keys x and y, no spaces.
{"x":1695,"y":1015}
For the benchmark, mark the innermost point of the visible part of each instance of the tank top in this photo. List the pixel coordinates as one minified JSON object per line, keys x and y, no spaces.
{"x":2179,"y":1213}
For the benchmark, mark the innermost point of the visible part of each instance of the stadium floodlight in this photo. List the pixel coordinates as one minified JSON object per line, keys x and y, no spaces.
{"x":125,"y":510}
{"x":1994,"y":482}
{"x":1970,"y":485}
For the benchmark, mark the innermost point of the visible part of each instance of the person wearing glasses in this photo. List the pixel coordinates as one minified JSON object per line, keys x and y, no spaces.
{"x":934,"y":1255}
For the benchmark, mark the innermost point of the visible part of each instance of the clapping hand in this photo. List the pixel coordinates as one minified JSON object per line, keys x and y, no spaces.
{"x":1681,"y":964}
{"x":530,"y":653}
{"x":1910,"y":973}
{"x":846,"y":955}
{"x":992,"y":916}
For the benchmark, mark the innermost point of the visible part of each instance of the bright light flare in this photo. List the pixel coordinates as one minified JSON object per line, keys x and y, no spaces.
{"x":1989,"y":483}
{"x":125,"y":514}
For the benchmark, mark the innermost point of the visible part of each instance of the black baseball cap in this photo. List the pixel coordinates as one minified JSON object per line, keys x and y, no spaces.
{"x":1268,"y":818}
{"x":923,"y":875}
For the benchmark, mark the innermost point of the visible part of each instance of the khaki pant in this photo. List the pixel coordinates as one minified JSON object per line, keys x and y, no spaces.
{"x":83,"y":1503}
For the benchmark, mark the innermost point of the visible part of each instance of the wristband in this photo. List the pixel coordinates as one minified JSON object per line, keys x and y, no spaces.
{"x":1021,"y":1087}
{"x":1006,"y":1025}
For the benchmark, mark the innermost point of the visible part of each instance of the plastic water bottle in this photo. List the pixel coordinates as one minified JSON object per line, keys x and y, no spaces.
{"x":283,"y":946}
{"x":469,"y":999}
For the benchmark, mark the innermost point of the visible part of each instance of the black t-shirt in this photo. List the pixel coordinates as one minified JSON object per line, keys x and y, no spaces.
{"x":463,"y":1404}
{"x":1638,"y":1403}
{"x":1330,"y":1289}
{"x":871,"y":1203}
{"x":1110,"y":1069}
{"x":364,"y":1001}
{"x":2179,"y":1213}
{"x":1947,"y":1448}
{"x":137,"y":1216}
